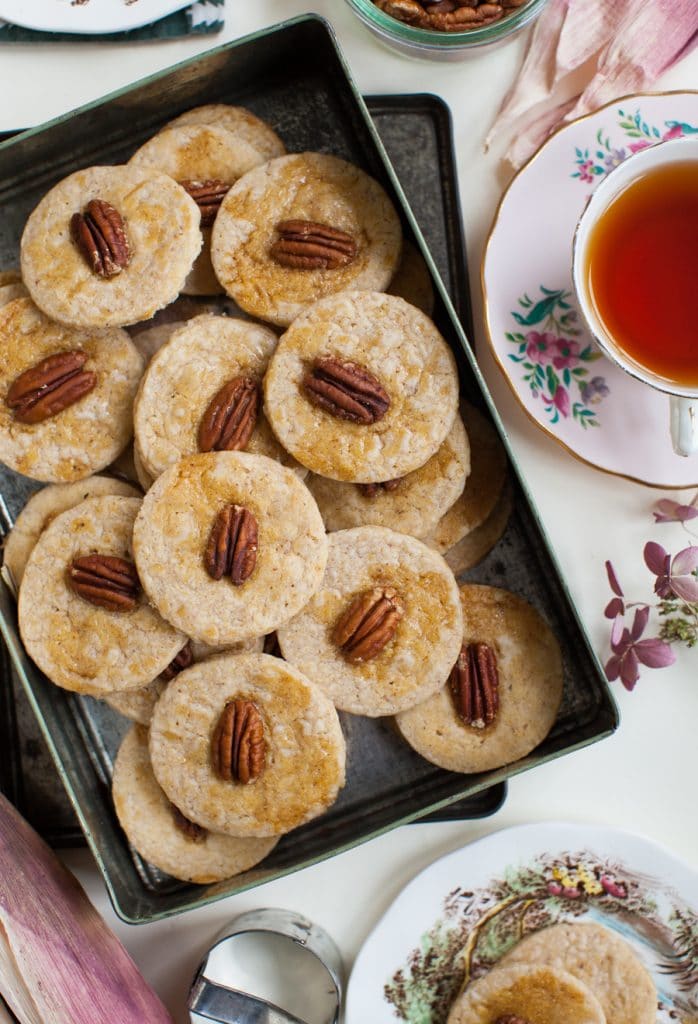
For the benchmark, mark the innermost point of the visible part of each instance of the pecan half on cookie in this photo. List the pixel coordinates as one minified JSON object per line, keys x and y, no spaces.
{"x":230,"y":417}
{"x":208,"y":196}
{"x":100,"y":235}
{"x":368,"y":624}
{"x":346,"y":390}
{"x":50,"y":386}
{"x":306,"y":245}
{"x":238,"y":747}
{"x":106,"y":581}
{"x":474,"y":683}
{"x":232,"y":545}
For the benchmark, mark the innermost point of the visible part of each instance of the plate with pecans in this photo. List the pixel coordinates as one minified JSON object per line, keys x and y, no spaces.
{"x":456,"y":919}
{"x":88,"y":16}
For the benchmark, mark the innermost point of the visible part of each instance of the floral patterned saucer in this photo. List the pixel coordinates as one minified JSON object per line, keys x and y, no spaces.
{"x":460,"y":915}
{"x":566,"y":386}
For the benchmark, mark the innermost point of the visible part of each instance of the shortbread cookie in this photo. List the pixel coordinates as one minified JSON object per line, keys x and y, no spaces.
{"x":412,"y":280}
{"x":529,"y":669}
{"x":536,"y":994}
{"x":8,"y":292}
{"x":410,"y":615}
{"x":161,"y":239}
{"x":310,"y":193}
{"x":199,"y":500}
{"x":241,"y":122}
{"x":411,"y":504}
{"x":43,"y":507}
{"x":184,"y":378}
{"x":488,"y":470}
{"x":288,"y":766}
{"x":477,"y":544}
{"x":81,"y":645}
{"x":98,"y":370}
{"x":380,"y":361}
{"x":162,"y":835}
{"x":601,"y":959}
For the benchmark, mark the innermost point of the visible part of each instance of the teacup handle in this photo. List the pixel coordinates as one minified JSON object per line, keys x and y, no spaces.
{"x":684,"y":425}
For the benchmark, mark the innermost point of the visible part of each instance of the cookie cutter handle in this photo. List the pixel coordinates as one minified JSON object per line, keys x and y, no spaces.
{"x":229,"y":1006}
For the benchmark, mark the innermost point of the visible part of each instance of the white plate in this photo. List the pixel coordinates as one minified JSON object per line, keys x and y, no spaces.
{"x":572,"y":392}
{"x":518,"y":880}
{"x":92,"y":16}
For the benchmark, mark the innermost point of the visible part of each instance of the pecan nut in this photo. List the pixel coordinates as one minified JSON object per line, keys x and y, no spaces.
{"x":368,"y":624}
{"x":208,"y":196}
{"x":306,"y":245}
{"x":190,"y":829}
{"x":238,"y":747}
{"x":230,"y":417}
{"x":371,"y":490}
{"x":183,"y":660}
{"x":346,"y":390}
{"x":105,"y":580}
{"x":474,"y":683}
{"x":50,"y":386}
{"x":100,"y":235}
{"x":231,"y":549}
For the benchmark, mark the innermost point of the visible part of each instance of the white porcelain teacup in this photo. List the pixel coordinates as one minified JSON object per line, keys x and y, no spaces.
{"x":683,"y":400}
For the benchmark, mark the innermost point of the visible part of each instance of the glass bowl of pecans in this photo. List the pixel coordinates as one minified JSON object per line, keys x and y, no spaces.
{"x":444,"y":29}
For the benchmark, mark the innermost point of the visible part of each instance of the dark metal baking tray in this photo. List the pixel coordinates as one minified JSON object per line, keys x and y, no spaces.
{"x":294,"y":76}
{"x":416,"y":132}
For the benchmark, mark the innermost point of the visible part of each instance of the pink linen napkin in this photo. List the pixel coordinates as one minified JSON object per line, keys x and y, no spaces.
{"x":626,"y":44}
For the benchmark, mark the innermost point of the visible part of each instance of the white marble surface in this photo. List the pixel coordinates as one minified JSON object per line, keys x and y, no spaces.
{"x":642,"y":778}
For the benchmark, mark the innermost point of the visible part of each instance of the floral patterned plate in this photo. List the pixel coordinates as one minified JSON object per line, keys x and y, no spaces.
{"x":567,"y":387}
{"x":460,"y":915}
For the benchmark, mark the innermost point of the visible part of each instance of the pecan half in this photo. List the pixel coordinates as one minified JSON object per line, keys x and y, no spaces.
{"x":238,"y":747}
{"x":368,"y":624}
{"x":305,"y":245}
{"x":50,"y":386}
{"x":208,"y":196}
{"x":183,"y":660}
{"x":474,"y":683}
{"x":371,"y":490}
{"x":346,"y":390}
{"x":100,"y":235}
{"x":230,"y":416}
{"x":189,"y":828}
{"x":232,"y":545}
{"x":105,"y":580}
{"x":408,"y":11}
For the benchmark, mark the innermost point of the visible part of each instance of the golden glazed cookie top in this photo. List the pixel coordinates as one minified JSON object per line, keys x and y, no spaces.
{"x":197,"y":152}
{"x":537,"y":994}
{"x":311,"y":187}
{"x":241,"y":122}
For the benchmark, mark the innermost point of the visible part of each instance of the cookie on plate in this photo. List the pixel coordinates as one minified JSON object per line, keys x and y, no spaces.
{"x":108,"y":246}
{"x":384,"y":629}
{"x":161,"y":833}
{"x":43,"y":507}
{"x":362,"y":387}
{"x":246,"y":745}
{"x":601,"y":959}
{"x":68,"y":394}
{"x":83,"y":617}
{"x":412,"y":280}
{"x":301,"y":227}
{"x":229,"y":545}
{"x":503,"y":694}
{"x":411,"y":504}
{"x":238,"y":120}
{"x":527,"y":995}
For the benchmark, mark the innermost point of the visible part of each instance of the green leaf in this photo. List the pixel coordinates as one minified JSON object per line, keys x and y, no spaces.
{"x":553,"y":382}
{"x":566,"y":378}
{"x":540,"y":311}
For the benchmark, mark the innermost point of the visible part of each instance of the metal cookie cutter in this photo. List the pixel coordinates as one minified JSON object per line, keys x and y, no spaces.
{"x":286,"y":970}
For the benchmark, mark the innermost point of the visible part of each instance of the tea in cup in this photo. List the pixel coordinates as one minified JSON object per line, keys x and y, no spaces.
{"x":635,"y":272}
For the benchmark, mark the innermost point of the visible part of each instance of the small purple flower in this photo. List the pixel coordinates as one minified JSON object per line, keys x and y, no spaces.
{"x":615,"y":157}
{"x":585,"y":171}
{"x":594,"y":390}
{"x":668,"y":511}
{"x":677,"y":577}
{"x":616,"y":605}
{"x":565,"y":353}
{"x":540,"y":347}
{"x":629,"y":651}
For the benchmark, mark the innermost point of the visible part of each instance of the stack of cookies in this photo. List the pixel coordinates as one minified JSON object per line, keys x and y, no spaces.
{"x":302,"y":488}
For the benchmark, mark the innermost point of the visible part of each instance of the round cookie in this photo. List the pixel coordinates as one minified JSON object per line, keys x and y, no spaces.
{"x":172,"y":531}
{"x":86,"y":436}
{"x":309,"y":187}
{"x":601,"y":959}
{"x":488,"y":470}
{"x":304,"y":756}
{"x":537,"y":994}
{"x":151,"y":824}
{"x":43,"y":507}
{"x":240,"y":122}
{"x":529,"y":666}
{"x":184,"y":376}
{"x":418,"y":657}
{"x":411,"y":505}
{"x":477,"y":544}
{"x":79,"y":645}
{"x":402,"y":349}
{"x":412,"y":280}
{"x":161,"y":223}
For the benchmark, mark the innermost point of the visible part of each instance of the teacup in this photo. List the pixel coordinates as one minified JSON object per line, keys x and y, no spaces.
{"x":635,"y":272}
